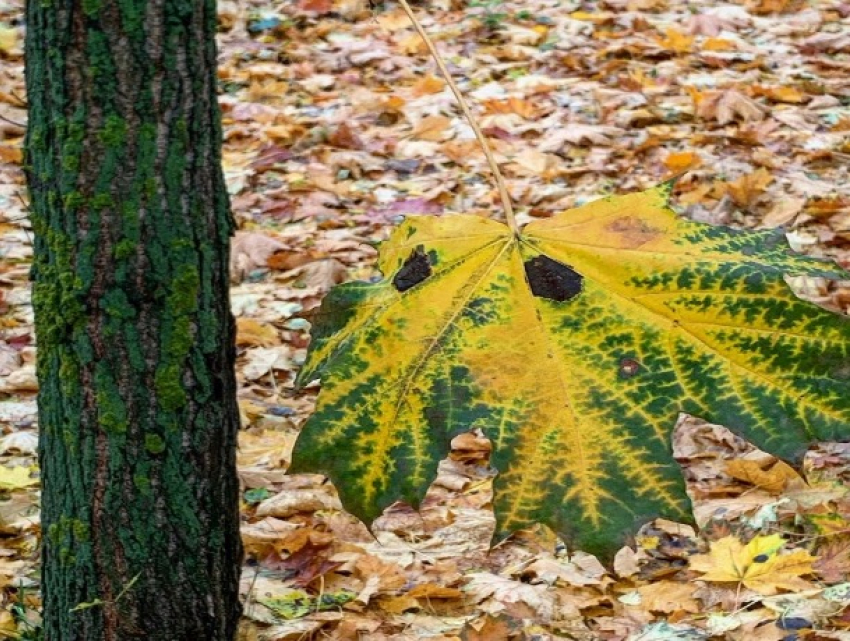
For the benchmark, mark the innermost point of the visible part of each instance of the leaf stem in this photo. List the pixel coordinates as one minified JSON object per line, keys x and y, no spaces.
{"x":485,"y":146}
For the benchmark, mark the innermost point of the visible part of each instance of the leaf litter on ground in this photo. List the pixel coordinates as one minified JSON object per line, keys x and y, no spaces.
{"x":580,"y":100}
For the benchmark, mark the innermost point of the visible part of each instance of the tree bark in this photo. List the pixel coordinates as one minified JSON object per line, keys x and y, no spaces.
{"x":137,"y":400}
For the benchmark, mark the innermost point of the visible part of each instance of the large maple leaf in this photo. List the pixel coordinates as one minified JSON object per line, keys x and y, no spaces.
{"x":573,"y":345}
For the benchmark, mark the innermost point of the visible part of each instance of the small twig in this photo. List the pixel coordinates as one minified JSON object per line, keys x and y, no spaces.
{"x":491,"y":160}
{"x":12,"y":122}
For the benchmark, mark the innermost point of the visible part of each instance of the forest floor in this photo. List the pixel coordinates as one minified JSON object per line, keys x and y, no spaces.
{"x":337,"y":125}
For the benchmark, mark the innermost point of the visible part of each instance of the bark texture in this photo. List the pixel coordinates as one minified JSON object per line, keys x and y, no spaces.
{"x":137,"y":403}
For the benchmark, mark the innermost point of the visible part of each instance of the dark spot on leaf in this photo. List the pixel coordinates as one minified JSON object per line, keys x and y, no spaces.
{"x":628,"y":367}
{"x":550,"y":279}
{"x":415,"y":269}
{"x":761,"y":558}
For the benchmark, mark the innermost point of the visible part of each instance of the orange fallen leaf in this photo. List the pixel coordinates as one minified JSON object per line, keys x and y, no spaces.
{"x":773,"y":478}
{"x":318,"y":7}
{"x":428,"y":85}
{"x":434,"y":591}
{"x":718,"y":44}
{"x":781,"y":94}
{"x":11,"y":154}
{"x":746,"y":189}
{"x":514,"y":105}
{"x":679,"y":161}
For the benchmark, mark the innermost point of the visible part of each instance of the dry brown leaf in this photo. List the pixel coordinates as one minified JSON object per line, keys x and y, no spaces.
{"x":496,"y":593}
{"x":250,"y":251}
{"x":773,"y":477}
{"x":491,"y":628}
{"x":284,"y":260}
{"x":833,"y":564}
{"x":433,"y":128}
{"x":513,"y":105}
{"x":293,"y":501}
{"x":319,"y":274}
{"x":783,"y":211}
{"x":433,"y":591}
{"x":379,"y":577}
{"x":582,"y":569}
{"x":749,"y":187}
{"x":726,"y":106}
{"x":668,"y":597}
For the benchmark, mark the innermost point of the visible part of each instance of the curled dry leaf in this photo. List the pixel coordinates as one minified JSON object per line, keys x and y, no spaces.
{"x":292,"y":501}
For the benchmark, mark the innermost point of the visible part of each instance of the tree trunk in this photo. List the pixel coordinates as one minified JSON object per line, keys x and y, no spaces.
{"x":137,"y":401}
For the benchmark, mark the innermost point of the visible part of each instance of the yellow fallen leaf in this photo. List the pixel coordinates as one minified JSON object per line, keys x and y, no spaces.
{"x":15,"y":478}
{"x":758,"y":565}
{"x":677,"y":41}
{"x":8,"y":39}
{"x":773,"y":479}
{"x":718,"y":44}
{"x":253,"y":333}
{"x":428,"y":85}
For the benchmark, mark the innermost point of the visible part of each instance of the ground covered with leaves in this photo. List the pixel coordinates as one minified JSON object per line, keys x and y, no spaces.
{"x":337,"y":125}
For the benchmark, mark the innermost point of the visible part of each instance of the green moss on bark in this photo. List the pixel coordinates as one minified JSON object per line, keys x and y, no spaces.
{"x":137,"y":395}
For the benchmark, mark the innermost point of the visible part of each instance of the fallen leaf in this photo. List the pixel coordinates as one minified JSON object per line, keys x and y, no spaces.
{"x":459,"y":289}
{"x":250,"y":251}
{"x":668,"y":597}
{"x":749,"y":187}
{"x":773,"y":477}
{"x":833,"y":563}
{"x":760,"y":565}
{"x":432,"y":128}
{"x":682,"y":161}
{"x":16,"y":478}
{"x":428,"y":85}
{"x":252,"y":333}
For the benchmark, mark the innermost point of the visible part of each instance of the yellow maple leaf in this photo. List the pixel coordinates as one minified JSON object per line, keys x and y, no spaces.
{"x":759,"y":565}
